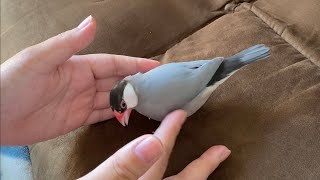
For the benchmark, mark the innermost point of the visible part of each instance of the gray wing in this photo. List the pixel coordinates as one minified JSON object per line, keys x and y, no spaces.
{"x":171,"y":86}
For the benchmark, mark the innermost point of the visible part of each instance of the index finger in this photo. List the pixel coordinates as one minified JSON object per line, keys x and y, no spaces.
{"x":106,"y":65}
{"x":167,"y":133}
{"x":170,"y":128}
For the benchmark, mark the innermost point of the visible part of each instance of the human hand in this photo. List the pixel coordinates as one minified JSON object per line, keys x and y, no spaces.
{"x":147,"y":156}
{"x":47,"y":91}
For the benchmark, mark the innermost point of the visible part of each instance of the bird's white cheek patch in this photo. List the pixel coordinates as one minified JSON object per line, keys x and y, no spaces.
{"x":130,"y":96}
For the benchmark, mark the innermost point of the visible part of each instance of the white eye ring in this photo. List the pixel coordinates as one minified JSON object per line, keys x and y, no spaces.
{"x":123,"y":104}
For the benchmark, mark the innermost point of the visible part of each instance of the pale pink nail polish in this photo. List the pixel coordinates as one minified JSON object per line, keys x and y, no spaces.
{"x":85,"y":22}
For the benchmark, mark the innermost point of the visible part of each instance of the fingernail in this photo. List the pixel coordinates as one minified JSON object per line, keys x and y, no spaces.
{"x":85,"y":22}
{"x":184,"y":114}
{"x":149,"y":150}
{"x":225,"y":152}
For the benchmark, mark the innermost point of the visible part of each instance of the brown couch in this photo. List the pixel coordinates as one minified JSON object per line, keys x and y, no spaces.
{"x":268,"y":113}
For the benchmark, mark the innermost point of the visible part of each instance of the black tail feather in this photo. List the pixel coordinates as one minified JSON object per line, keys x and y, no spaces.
{"x":254,"y":53}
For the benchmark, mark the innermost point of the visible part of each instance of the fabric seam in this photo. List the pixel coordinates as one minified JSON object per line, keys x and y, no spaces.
{"x":258,"y":12}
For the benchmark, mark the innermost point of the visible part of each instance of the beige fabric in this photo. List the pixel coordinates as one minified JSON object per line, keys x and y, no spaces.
{"x":267,"y":113}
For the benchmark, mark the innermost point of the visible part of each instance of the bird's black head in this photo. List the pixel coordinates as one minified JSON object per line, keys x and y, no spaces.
{"x":117,"y":102}
{"x":122,"y":99}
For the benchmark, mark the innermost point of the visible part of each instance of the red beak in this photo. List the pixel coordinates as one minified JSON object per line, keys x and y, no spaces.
{"x":123,"y":118}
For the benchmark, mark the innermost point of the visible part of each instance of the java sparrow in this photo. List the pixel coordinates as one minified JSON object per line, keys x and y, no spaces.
{"x":178,"y":85}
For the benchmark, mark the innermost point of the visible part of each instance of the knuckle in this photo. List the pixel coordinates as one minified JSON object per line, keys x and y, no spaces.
{"x":61,"y":36}
{"x":122,"y":170}
{"x":64,"y":35}
{"x":65,"y":39}
{"x":28,"y":53}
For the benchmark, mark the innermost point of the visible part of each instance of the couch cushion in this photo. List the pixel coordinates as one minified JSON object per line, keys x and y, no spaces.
{"x":298,"y":23}
{"x":139,"y":28}
{"x":267,"y":113}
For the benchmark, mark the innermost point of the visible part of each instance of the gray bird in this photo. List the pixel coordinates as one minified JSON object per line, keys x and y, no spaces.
{"x":180,"y":85}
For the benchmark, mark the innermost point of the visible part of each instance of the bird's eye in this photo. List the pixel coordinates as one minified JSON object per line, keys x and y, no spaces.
{"x":123,"y":104}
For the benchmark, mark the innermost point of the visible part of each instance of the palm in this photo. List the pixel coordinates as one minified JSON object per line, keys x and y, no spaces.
{"x":79,"y":101}
{"x":63,"y":99}
{"x":77,"y":92}
{"x":76,"y":102}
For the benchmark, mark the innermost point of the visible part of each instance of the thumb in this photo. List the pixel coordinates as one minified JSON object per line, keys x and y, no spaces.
{"x":60,"y":48}
{"x":131,"y":161}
